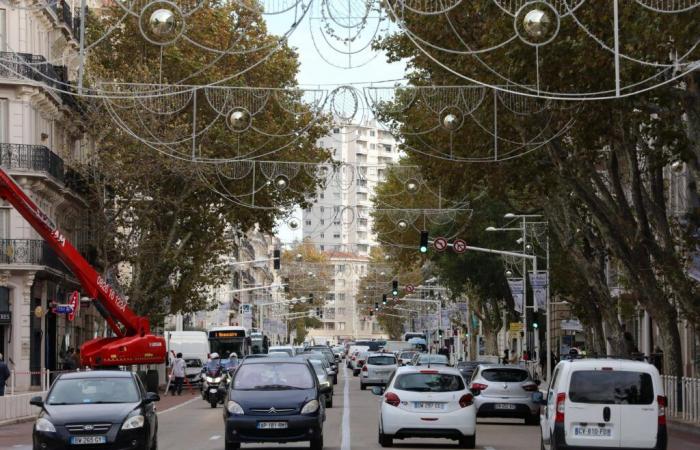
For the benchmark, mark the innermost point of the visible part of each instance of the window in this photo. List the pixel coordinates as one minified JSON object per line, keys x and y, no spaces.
{"x":4,"y":299}
{"x":372,"y":147}
{"x":322,"y":195}
{"x":323,"y":236}
{"x":340,"y":268}
{"x":340,"y":296}
{"x":341,"y":326}
{"x":4,"y":223}
{"x":336,"y":130}
{"x":3,"y":32}
{"x":612,"y":387}
{"x":336,"y":235}
{"x":258,"y":376}
{"x":322,"y":247}
{"x":505,"y":375}
{"x":78,"y":391}
{"x":429,"y":382}
{"x":382,"y":360}
{"x":372,"y":132}
{"x":308,"y":223}
{"x":323,"y":222}
{"x":4,"y":118}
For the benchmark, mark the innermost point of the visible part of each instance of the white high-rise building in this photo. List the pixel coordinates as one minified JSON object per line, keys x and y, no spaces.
{"x":340,"y":224}
{"x":340,"y":219}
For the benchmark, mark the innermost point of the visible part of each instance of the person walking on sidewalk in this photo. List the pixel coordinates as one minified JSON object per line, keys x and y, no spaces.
{"x":4,"y":375}
{"x":178,"y":372}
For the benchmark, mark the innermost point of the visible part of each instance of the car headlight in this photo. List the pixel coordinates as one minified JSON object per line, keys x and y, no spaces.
{"x":44,"y":425}
{"x":217,"y":380}
{"x":325,"y":383}
{"x":310,"y":407}
{"x":234,"y":408}
{"x":209,"y":379}
{"x":133,"y":421}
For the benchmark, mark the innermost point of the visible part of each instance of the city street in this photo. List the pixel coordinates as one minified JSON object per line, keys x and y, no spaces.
{"x":350,"y":424}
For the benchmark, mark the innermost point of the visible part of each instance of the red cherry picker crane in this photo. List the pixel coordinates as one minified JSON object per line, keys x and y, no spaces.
{"x":133,"y":342}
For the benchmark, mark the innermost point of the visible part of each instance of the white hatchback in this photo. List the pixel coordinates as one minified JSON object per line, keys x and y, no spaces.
{"x":427,"y":403}
{"x":604,"y":403}
{"x":377,"y":369}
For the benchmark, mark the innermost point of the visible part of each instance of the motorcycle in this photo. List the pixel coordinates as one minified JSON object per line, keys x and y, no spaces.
{"x":215,"y":385}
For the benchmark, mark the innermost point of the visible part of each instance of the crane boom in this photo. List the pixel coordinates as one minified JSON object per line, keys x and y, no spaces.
{"x":134,"y":343}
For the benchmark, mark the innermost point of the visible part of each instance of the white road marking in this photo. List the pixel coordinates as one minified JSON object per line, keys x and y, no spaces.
{"x":173,"y":408}
{"x":216,"y":437}
{"x":489,"y":448}
{"x":345,"y":442}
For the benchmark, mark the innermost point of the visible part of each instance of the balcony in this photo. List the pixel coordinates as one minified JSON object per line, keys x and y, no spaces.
{"x":66,"y":17}
{"x":31,"y":158}
{"x":29,"y":252}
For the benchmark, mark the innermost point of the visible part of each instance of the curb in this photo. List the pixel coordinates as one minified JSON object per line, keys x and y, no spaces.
{"x":17,"y":420}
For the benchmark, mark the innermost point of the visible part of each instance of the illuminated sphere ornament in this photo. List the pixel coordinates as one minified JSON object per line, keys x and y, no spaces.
{"x":402,"y":225}
{"x":293,"y":224}
{"x":509,"y":273}
{"x":238,"y":119}
{"x":677,"y":166}
{"x":162,"y":23}
{"x":281,"y":182}
{"x":412,"y":186}
{"x":450,"y":122}
{"x":537,"y":23}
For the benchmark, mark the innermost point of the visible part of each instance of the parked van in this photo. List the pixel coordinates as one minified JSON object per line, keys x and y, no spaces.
{"x":603,"y":403}
{"x":194,"y":346}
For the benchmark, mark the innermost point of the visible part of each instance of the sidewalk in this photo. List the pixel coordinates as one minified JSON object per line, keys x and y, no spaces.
{"x":21,"y":433}
{"x":683,"y":426}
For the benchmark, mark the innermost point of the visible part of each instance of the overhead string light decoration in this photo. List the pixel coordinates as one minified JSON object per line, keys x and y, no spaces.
{"x":547,"y":30}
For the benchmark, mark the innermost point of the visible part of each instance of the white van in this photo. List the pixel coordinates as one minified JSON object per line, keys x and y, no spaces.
{"x":194,"y":346}
{"x":603,"y":403}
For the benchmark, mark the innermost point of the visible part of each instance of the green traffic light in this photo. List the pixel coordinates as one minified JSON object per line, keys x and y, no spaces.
{"x":535,"y":325}
{"x":423,"y":249}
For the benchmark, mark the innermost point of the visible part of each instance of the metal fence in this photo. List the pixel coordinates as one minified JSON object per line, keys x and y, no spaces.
{"x":683,"y":399}
{"x":29,"y":251}
{"x":37,"y":158}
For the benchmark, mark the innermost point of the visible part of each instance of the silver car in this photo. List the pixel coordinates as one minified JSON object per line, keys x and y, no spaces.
{"x":325,"y":382}
{"x":432,"y":359}
{"x":378,"y":369}
{"x":505,"y":391}
{"x":406,"y":357}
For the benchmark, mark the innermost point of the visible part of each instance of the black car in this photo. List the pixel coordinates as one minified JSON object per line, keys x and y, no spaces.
{"x":467,"y":368}
{"x":274,"y":400}
{"x":330,"y":356}
{"x":104,"y":409}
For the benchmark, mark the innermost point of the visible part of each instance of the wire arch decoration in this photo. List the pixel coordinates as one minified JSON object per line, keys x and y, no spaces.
{"x":187,"y":121}
{"x":536,"y":26}
{"x":446,"y":112}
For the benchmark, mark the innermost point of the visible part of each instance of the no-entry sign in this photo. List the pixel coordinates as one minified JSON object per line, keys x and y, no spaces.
{"x":440,"y":244}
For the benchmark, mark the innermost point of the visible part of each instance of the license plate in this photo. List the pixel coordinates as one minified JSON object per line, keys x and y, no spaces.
{"x":428,"y":405}
{"x":592,"y":431}
{"x":504,"y":406}
{"x":213,"y":390}
{"x":272,"y":425}
{"x":87,"y":440}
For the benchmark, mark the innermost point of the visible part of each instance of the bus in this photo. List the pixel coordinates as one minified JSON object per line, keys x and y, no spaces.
{"x":229,"y":339}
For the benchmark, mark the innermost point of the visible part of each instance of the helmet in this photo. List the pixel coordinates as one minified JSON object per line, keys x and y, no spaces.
{"x":214,"y":356}
{"x":233,"y":355}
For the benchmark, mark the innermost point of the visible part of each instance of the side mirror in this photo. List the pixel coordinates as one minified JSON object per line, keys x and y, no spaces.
{"x":37,"y":401}
{"x":151,"y":397}
{"x":538,"y":382}
{"x":377,"y":390}
{"x":325,"y":388}
{"x":538,"y":398}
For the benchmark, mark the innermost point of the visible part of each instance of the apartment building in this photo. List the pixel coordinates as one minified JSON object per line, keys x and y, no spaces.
{"x":42,"y":132}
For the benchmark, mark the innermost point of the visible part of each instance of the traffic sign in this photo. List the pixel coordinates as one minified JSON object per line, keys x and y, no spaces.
{"x":440,"y":244}
{"x":459,"y":246}
{"x":515,"y":327}
{"x":74,"y":303}
{"x":62,"y":309}
{"x":410,"y":288}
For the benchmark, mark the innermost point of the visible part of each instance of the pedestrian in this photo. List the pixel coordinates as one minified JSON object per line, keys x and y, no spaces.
{"x":178,"y":372}
{"x":506,"y":356}
{"x":4,"y":375}
{"x":69,"y":360}
{"x":76,"y":359}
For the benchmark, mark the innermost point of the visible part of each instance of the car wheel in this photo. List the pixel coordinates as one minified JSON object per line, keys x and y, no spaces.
{"x":468,"y":441}
{"x":329,"y":401}
{"x":154,"y":444}
{"x":355,"y":373}
{"x":362,"y":387}
{"x":335,"y":379}
{"x":213,"y":402}
{"x":316,"y":443}
{"x":532,"y":419}
{"x":232,"y":445}
{"x":385,"y":441}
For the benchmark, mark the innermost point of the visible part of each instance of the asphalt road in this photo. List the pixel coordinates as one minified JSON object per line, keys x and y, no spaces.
{"x":350,"y":424}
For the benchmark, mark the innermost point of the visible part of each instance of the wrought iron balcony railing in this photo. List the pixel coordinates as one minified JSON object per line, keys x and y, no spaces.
{"x":34,"y":158}
{"x":34,"y":252}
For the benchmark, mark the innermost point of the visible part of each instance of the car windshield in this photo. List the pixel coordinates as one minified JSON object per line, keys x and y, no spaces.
{"x":503,"y":375}
{"x":434,"y":359}
{"x":381,"y":360}
{"x":277,"y":376}
{"x":318,"y":367}
{"x":288,"y":351}
{"x":429,"y":382}
{"x":78,"y":391}
{"x":279,"y":354}
{"x":406,"y":355}
{"x":611,"y":387}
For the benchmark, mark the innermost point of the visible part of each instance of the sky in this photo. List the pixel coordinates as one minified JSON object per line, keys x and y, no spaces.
{"x":315,"y":72}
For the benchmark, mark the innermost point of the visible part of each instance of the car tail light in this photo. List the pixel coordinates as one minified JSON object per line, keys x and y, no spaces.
{"x":478,"y":386}
{"x":530,"y":387}
{"x":466,"y":400}
{"x":364,"y":368}
{"x":360,"y":362}
{"x":353,"y":358}
{"x":561,"y":398}
{"x":661,"y":400}
{"x":429,"y":371}
{"x":392,"y":399}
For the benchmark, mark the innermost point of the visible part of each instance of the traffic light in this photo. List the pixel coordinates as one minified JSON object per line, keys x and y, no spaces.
{"x":394,"y":288}
{"x":376,"y":305}
{"x":384,"y":299}
{"x":310,"y":298}
{"x":286,"y":285}
{"x":319,"y":312}
{"x":424,"y":241}
{"x":276,"y":259}
{"x":535,"y":321}
{"x":371,"y":312}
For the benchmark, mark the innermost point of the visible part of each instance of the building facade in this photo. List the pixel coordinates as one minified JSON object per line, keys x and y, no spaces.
{"x":42,"y":133}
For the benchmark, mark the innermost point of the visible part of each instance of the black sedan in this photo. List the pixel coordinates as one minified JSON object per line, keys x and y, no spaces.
{"x":274,"y":400}
{"x":105,"y":409}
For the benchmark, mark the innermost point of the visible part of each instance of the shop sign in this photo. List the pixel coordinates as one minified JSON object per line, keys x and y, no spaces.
{"x":5,"y":317}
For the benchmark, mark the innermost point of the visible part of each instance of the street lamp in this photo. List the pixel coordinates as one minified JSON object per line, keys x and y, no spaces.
{"x":490,"y":228}
{"x":509,"y":216}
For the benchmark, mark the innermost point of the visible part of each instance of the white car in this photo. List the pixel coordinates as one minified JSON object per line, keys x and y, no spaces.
{"x":377,"y":370}
{"x":610,"y":403}
{"x":427,"y":403}
{"x":357,"y":362}
{"x":288,"y":349}
{"x":406,"y":357}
